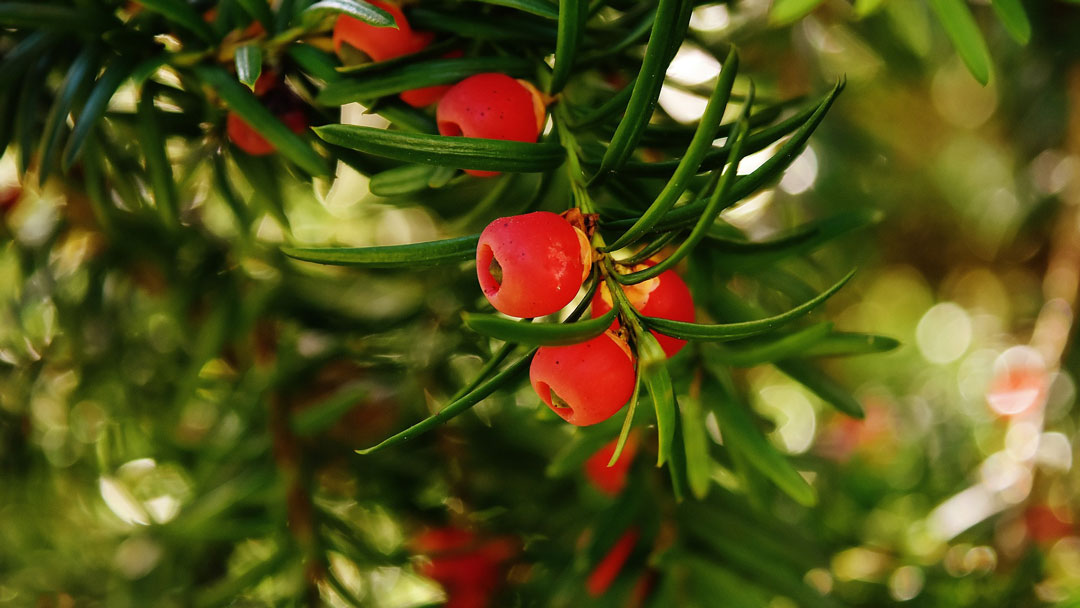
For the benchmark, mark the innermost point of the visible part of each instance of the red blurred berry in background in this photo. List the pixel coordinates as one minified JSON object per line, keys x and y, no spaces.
{"x":1044,"y":526}
{"x":9,"y":197}
{"x":607,"y":569}
{"x":249,"y":140}
{"x":611,"y":479}
{"x":468,"y":568}
{"x":279,"y":100}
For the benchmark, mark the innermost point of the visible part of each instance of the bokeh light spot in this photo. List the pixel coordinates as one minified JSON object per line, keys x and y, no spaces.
{"x":943,"y":333}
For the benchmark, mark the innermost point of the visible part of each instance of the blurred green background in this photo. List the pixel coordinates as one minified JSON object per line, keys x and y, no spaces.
{"x":151,"y":435}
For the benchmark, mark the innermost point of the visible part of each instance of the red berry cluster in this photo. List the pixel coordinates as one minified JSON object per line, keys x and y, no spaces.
{"x":533,"y":265}
{"x":489,"y":106}
{"x":468,"y":568}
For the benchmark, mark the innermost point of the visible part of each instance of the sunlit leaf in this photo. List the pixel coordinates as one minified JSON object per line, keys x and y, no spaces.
{"x":415,"y":76}
{"x":538,"y":334}
{"x":696,"y":444}
{"x":459,"y":152}
{"x":959,"y":24}
{"x":1013,"y":17}
{"x":406,"y":179}
{"x":708,"y":215}
{"x":572,"y":17}
{"x":821,"y":385}
{"x":390,"y":256}
{"x":740,"y":433}
{"x":315,"y":62}
{"x":784,"y":12}
{"x":691,"y":160}
{"x":756,"y":254}
{"x":864,"y":8}
{"x":646,"y":89}
{"x":775,"y":349}
{"x":657,"y":380}
{"x":248,"y":64}
{"x":744,"y":329}
{"x":357,"y":9}
{"x":843,"y":344}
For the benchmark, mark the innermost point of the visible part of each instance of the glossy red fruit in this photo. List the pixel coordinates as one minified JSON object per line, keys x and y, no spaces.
{"x":531,"y":265}
{"x":421,"y":98}
{"x":492,"y":106}
{"x":665,"y":296}
{"x":607,"y":570}
{"x":611,"y":480}
{"x":249,"y":140}
{"x":380,"y":43}
{"x":585,"y":383}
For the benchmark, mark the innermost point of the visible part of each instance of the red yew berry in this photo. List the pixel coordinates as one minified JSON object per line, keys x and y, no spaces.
{"x":665,"y":296}
{"x":532,"y":265}
{"x":492,"y":106}
{"x":611,"y":480}
{"x":607,"y":570}
{"x":585,"y":383}
{"x":249,"y":140}
{"x":380,"y":43}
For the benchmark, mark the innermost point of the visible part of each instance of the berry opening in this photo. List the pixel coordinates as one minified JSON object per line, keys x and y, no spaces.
{"x":495,"y":270}
{"x":558,"y":402}
{"x":449,"y":128}
{"x":552,"y":399}
{"x":488,"y":270}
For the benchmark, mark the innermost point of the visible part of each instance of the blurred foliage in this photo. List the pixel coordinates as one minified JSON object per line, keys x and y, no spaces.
{"x":181,"y":402}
